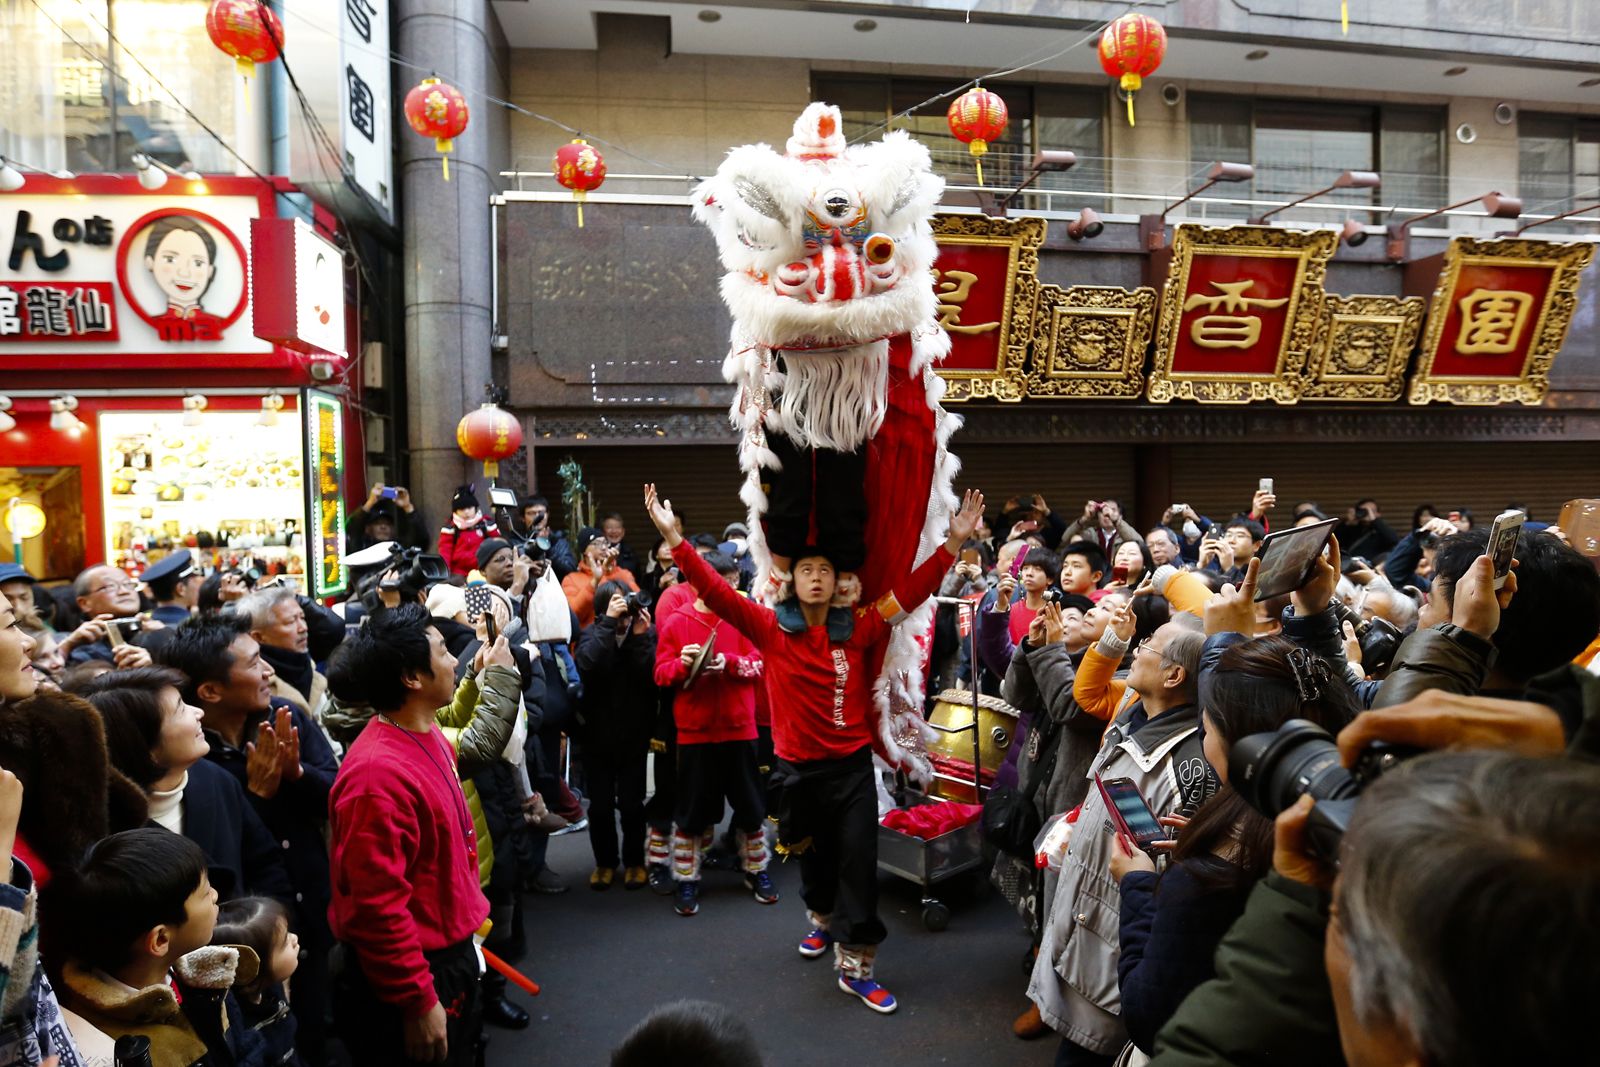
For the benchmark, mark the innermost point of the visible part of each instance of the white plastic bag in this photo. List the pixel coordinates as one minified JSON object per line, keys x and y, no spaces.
{"x":549,"y":617}
{"x":1050,"y":847}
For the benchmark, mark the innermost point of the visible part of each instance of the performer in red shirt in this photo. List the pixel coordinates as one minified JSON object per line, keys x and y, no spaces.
{"x":820,"y":692}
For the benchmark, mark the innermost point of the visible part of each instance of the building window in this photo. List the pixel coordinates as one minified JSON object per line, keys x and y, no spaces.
{"x":1057,"y":117}
{"x":74,"y":104}
{"x":1558,"y":162}
{"x":1298,"y":147}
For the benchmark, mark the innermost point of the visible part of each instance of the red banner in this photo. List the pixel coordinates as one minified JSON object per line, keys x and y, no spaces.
{"x":1492,"y":320}
{"x":971,"y":285}
{"x":57,"y":311}
{"x":1235,"y":314}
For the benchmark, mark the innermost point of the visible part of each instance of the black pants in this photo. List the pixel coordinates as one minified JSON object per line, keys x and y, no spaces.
{"x":663,"y":802}
{"x":841,"y":506}
{"x":616,"y":772}
{"x":1070,"y":1055}
{"x":372,"y":1029}
{"x":828,"y":813}
{"x":706,"y":774}
{"x":765,"y":760}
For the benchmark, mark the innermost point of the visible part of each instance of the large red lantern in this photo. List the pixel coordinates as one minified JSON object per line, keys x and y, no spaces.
{"x":977,"y":117}
{"x":437,"y":110}
{"x":1131,"y":49}
{"x":579,"y":166}
{"x":490,"y":434}
{"x":245,"y":29}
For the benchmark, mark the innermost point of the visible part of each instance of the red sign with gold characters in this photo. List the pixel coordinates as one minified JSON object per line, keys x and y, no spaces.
{"x":986,"y":282}
{"x":1238,"y":313}
{"x":1498,"y":316}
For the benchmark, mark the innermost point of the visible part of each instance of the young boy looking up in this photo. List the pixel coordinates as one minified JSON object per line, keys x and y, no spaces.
{"x":819,"y":689}
{"x":1082,"y":567}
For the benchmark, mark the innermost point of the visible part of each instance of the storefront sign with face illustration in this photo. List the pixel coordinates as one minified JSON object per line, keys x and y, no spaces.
{"x":145,"y":273}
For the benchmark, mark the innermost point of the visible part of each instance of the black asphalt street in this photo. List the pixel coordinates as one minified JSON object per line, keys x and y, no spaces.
{"x":605,"y":960}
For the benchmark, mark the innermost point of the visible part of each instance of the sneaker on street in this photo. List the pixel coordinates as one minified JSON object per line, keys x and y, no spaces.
{"x":816,"y":943}
{"x":546,"y":881}
{"x":871,"y":993}
{"x":688,"y":899}
{"x":760,"y":883}
{"x":572,"y":827}
{"x":661,"y":880}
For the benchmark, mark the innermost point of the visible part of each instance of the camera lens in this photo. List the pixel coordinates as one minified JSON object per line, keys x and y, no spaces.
{"x":1272,"y":770}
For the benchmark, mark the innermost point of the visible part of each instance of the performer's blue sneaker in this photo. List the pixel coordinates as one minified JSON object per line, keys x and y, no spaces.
{"x":760,"y":883}
{"x":815,"y":943}
{"x":688,"y":899}
{"x":871,"y":993}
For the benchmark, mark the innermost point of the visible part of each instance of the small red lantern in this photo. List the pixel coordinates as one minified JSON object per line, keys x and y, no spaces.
{"x":437,"y":110}
{"x":977,"y":117}
{"x":245,"y":29}
{"x":579,"y":166}
{"x":490,"y":434}
{"x":1131,"y":49}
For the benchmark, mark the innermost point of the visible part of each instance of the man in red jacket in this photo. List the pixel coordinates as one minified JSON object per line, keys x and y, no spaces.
{"x":714,"y":708}
{"x":815,"y":660}
{"x":406,"y":897}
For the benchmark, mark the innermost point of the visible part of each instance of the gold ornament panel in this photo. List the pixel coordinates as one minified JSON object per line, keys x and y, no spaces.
{"x":1007,"y":250}
{"x":1362,"y":347}
{"x":1090,"y":342}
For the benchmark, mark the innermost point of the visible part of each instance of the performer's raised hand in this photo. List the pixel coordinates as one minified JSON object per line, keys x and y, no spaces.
{"x":661,"y":514}
{"x":965,"y":523}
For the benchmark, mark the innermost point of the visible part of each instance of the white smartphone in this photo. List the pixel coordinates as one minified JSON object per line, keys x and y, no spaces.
{"x":1265,"y":486}
{"x":1503,"y":543}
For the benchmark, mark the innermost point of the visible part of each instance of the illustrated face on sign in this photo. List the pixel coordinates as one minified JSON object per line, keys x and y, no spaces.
{"x":182,"y":257}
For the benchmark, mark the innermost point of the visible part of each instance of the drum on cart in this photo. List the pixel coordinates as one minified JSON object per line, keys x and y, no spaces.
{"x":952,"y":752}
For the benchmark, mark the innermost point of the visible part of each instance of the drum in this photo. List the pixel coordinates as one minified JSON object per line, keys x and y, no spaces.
{"x":952,"y":752}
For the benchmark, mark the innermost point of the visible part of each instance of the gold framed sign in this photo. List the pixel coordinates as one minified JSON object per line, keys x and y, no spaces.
{"x":1090,"y":342}
{"x":1362,"y":346}
{"x":1497,"y":319}
{"x":986,"y":280}
{"x":1239,"y":311}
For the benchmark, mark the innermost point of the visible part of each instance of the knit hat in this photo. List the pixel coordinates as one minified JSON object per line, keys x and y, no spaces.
{"x":490,"y":546}
{"x":735,"y":529}
{"x":464,"y":498}
{"x":446,"y":601}
{"x":587,"y":536}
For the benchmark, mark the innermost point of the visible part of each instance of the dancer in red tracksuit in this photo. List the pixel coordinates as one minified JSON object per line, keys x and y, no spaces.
{"x":815,"y":663}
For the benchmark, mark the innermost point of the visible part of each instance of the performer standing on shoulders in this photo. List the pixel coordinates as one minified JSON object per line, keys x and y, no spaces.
{"x":819,"y":686}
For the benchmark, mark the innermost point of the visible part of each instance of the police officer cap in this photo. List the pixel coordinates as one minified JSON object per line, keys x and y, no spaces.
{"x":173,"y":568}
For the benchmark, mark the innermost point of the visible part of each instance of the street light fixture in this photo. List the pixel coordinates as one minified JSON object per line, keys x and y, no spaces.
{"x":1498,"y":205}
{"x":1350,"y":179}
{"x":1155,"y":225}
{"x":12,"y":177}
{"x":153,"y":173}
{"x":1553,"y":218}
{"x":1087,"y":226}
{"x":1045,"y":160}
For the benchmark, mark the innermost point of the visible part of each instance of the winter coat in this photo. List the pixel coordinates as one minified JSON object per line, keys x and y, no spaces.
{"x":272,"y":1021}
{"x":460,"y":547}
{"x":1082,"y":531}
{"x":1074,"y":981}
{"x":72,"y":797}
{"x":1270,"y":1003}
{"x":1440,"y":657}
{"x":619,"y":690}
{"x":579,"y":587}
{"x":1170,"y":930}
{"x":242,"y":856}
{"x":30,"y":1020}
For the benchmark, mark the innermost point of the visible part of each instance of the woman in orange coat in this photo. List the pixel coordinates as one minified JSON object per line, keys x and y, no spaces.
{"x":597,"y":562}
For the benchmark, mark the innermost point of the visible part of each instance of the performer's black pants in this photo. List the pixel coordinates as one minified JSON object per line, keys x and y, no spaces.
{"x":841,"y":504}
{"x":371,"y":1028}
{"x":709,"y":772}
{"x":829,"y":815}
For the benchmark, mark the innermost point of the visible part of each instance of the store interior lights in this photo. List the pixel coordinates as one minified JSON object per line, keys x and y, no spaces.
{"x":153,"y":173}
{"x":12,"y":176}
{"x":271,"y":404}
{"x":62,"y":415}
{"x":7,"y":423}
{"x":193,"y":405}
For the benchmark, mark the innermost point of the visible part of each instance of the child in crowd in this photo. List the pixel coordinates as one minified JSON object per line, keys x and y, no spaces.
{"x":261,"y":924}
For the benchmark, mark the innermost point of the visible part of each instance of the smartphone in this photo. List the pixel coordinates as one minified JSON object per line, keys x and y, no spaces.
{"x":1119,"y":573}
{"x":1264,"y":486}
{"x":971,"y":555}
{"x":1288,"y":556}
{"x":491,"y":628}
{"x":1029,"y":526}
{"x":1503,"y":543}
{"x":388,"y":492}
{"x":1129,"y":812}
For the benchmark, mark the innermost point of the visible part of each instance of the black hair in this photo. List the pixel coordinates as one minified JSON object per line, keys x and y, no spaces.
{"x":535,"y":501}
{"x":1090,"y":552}
{"x":126,"y":886}
{"x":163,"y":227}
{"x":1045,"y":560}
{"x":721,"y":562}
{"x":689,"y":1031}
{"x":608,"y":516}
{"x":1417,"y":512}
{"x":704,"y":540}
{"x":129,"y":703}
{"x":258,"y":923}
{"x":78,"y":677}
{"x":1555,"y":612}
{"x":602,"y":597}
{"x":1144,"y":556}
{"x":209,"y":600}
{"x":200,"y":648}
{"x":1075,"y":600}
{"x":1150,"y":613}
{"x":1249,"y":525}
{"x":369,"y":667}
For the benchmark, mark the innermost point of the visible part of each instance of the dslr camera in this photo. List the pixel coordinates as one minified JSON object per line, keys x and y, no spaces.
{"x":1379,"y":638}
{"x":1273,"y":770}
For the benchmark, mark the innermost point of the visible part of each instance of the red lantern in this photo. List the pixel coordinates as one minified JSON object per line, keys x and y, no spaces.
{"x":490,"y":434}
{"x":245,"y":29}
{"x":437,"y":110}
{"x":1131,"y":49}
{"x":977,"y":117}
{"x":580,"y":167}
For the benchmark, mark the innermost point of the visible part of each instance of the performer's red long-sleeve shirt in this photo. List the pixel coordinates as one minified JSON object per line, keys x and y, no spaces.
{"x":721,"y":705}
{"x":819,"y":690}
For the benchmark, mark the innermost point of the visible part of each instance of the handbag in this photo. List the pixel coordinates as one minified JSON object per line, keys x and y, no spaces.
{"x":549,"y":617}
{"x":1010,"y":818}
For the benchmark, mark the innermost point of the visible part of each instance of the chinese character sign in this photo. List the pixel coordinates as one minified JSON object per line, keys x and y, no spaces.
{"x":1498,"y":317}
{"x":56,"y":311}
{"x":1235,"y":314}
{"x":985,"y":282}
{"x":325,"y":493}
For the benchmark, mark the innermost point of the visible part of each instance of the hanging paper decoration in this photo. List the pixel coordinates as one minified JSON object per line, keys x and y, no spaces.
{"x":1344,"y":16}
{"x":1131,"y":49}
{"x":437,"y":110}
{"x":246,"y":30}
{"x":977,"y":117}
{"x":490,"y":434}
{"x":580,"y":167}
